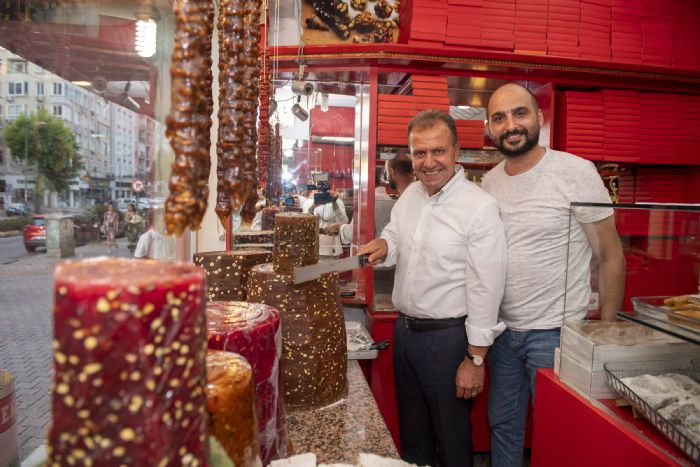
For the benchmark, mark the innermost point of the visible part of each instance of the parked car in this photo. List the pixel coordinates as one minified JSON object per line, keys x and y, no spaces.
{"x":34,"y":233}
{"x":16,"y":209}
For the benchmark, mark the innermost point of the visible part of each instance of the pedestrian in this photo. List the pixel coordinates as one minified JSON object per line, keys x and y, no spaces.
{"x":446,"y":239}
{"x":134,"y":224}
{"x":110,"y":226}
{"x":155,"y":243}
{"x":549,"y":252}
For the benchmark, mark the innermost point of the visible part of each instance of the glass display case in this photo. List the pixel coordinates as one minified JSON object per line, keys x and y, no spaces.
{"x":650,"y":356}
{"x":322,"y":132}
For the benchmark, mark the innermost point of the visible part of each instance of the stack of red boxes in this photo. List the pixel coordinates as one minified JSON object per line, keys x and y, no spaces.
{"x":660,"y":185}
{"x":464,"y":22}
{"x":470,"y":134}
{"x":594,"y":32}
{"x":394,"y":114}
{"x":622,"y":125}
{"x":625,"y":186}
{"x":626,"y":31}
{"x":657,"y":32}
{"x":651,"y":32}
{"x":429,"y":92}
{"x":685,"y":52}
{"x":579,"y":124}
{"x":498,"y":24}
{"x":658,"y":128}
{"x":531,"y":26}
{"x":422,"y":22}
{"x":563,"y":20}
{"x":687,"y":124}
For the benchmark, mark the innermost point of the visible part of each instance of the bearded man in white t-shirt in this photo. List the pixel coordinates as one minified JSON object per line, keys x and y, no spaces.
{"x":548,"y":270}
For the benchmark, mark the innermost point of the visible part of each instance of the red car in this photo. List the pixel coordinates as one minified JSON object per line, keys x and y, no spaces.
{"x":34,"y":233}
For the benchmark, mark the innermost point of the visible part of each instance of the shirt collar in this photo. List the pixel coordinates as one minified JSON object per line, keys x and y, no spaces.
{"x":450,"y":185}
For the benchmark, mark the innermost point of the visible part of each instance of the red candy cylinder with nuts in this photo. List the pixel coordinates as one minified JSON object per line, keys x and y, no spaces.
{"x":253,"y":331}
{"x":129,"y":364}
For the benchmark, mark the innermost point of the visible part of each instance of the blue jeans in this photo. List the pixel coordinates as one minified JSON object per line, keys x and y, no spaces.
{"x":513,"y":361}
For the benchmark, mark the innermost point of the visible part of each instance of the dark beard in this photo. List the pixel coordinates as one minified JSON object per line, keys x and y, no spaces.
{"x":530,"y":142}
{"x":392,"y":184}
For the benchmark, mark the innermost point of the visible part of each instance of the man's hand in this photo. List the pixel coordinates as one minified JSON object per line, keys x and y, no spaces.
{"x":375,"y":250}
{"x":331,"y":229}
{"x":469,"y":379}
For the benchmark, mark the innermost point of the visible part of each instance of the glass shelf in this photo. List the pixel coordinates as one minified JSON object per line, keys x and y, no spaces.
{"x":659,"y":325}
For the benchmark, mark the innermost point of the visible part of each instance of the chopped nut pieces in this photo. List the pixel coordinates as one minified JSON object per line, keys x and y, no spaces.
{"x":109,"y":383}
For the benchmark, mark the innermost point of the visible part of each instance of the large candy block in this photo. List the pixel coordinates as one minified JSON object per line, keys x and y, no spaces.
{"x":129,"y":364}
{"x":296,"y":241}
{"x":253,"y":330}
{"x":231,"y":403}
{"x":227,"y":271}
{"x":268,"y":217}
{"x":314,"y":352}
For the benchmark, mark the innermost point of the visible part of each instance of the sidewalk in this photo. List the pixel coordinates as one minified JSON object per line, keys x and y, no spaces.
{"x":26,"y":333}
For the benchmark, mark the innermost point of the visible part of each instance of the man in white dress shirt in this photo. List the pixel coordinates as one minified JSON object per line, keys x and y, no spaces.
{"x":549,"y":252}
{"x":447,"y":241}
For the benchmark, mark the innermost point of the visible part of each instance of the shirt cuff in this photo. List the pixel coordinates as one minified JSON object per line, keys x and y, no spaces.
{"x":483,"y":337}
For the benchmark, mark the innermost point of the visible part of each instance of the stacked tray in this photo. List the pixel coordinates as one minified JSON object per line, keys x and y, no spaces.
{"x":616,"y":371}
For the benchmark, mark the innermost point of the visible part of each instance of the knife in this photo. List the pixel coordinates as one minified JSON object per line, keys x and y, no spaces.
{"x":309,"y":273}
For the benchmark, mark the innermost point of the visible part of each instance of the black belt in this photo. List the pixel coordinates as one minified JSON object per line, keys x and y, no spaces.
{"x":422,"y":324}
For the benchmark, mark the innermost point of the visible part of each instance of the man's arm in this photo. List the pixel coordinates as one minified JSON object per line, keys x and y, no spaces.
{"x":485,"y":281}
{"x":605,"y":243}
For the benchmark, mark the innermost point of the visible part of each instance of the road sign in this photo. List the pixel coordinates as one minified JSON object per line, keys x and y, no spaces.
{"x":137,"y":186}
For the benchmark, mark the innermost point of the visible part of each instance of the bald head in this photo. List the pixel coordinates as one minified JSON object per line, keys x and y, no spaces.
{"x":512,"y":89}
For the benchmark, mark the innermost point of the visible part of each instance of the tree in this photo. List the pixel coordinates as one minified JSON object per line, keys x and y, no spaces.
{"x":47,"y":143}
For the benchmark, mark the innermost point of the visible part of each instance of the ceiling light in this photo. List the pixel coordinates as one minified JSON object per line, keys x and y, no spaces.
{"x":146,"y":33}
{"x":82,"y":83}
{"x":464,"y":107}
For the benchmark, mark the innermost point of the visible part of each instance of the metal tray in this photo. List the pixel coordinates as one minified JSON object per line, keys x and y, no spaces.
{"x":651,"y":311}
{"x":615,"y":371}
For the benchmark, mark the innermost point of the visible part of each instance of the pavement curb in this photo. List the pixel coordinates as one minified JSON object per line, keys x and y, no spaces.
{"x":11,"y":233}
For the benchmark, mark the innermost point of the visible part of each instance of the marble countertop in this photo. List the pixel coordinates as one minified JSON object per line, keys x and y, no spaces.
{"x":339,"y":432}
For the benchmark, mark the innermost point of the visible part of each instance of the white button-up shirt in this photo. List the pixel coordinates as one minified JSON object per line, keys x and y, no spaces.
{"x":450,"y":255}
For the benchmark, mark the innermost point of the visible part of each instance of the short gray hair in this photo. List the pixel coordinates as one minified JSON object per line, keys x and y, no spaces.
{"x":428,"y":118}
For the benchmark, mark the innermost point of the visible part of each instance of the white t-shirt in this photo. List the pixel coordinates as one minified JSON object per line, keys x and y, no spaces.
{"x":153,"y":245}
{"x":449,"y":250}
{"x":535,"y":208}
{"x":383,"y":204}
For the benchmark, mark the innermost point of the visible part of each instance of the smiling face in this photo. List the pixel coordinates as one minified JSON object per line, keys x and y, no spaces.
{"x":434,"y":155}
{"x":514,"y":120}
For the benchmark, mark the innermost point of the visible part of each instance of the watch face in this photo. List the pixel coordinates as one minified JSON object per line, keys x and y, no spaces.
{"x":478,"y":360}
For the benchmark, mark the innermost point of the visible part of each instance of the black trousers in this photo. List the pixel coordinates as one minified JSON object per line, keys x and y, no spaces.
{"x":432,"y":421}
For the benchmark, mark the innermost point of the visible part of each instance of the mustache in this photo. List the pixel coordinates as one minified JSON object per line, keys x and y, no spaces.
{"x":508,"y":134}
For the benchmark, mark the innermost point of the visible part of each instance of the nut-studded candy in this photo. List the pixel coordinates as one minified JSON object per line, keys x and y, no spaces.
{"x":227,"y":271}
{"x":314,"y":356}
{"x":230,"y":399}
{"x":129,"y":363}
{"x":253,"y":331}
{"x":189,"y":122}
{"x":296,"y":241}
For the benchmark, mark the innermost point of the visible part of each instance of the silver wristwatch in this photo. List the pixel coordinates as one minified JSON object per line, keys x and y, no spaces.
{"x":477,"y":360}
